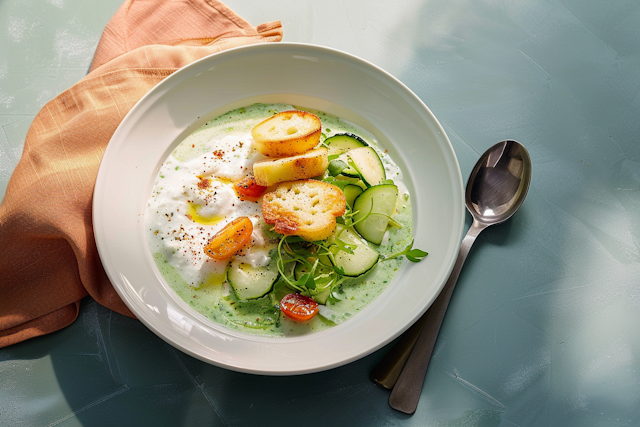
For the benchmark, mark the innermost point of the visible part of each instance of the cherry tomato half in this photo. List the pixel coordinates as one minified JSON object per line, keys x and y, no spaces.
{"x":249,"y":188}
{"x":231,"y":239}
{"x":298,"y":307}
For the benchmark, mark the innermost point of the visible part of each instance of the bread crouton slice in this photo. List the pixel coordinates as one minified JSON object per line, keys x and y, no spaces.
{"x":305,"y":208}
{"x":287,"y":134}
{"x":307,"y":165}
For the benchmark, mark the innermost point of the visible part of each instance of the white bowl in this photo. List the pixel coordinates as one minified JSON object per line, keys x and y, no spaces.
{"x":307,"y":76}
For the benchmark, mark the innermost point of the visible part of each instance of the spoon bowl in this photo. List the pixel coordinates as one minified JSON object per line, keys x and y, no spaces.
{"x":499,"y":182}
{"x":497,"y":186}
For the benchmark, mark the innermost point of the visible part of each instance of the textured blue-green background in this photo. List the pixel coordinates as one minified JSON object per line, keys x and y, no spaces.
{"x":543,"y":327}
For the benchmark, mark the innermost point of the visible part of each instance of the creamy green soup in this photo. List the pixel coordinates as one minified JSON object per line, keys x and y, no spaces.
{"x":181,"y":217}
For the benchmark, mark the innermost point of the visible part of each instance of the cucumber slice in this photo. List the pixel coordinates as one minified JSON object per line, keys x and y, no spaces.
{"x":249,"y":282}
{"x":363,"y":258}
{"x":350,"y":193}
{"x":380,"y":199}
{"x":322,"y":297}
{"x":368,"y":164}
{"x":339,"y":143}
{"x":319,"y":296}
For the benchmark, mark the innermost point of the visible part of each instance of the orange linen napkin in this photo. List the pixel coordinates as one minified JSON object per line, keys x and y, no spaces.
{"x":48,"y":255}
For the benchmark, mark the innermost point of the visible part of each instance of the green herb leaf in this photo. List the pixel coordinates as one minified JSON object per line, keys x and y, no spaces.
{"x":416,"y":255}
{"x":333,"y":298}
{"x":310,"y":282}
{"x":413,"y":255}
{"x":339,"y":270}
{"x":294,"y":239}
{"x":279,"y":284}
{"x":344,"y":246}
{"x":336,"y":167}
{"x":340,"y":183}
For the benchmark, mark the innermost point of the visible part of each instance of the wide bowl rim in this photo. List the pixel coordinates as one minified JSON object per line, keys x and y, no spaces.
{"x":121,"y":284}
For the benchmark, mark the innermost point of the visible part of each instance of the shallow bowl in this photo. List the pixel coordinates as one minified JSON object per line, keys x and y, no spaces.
{"x":307,"y":76}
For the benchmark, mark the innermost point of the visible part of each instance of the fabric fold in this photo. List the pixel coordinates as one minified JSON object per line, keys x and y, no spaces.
{"x":48,"y":255}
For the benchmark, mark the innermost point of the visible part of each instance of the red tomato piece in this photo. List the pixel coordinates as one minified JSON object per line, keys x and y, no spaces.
{"x":298,"y":307}
{"x":249,"y":188}
{"x":231,"y":239}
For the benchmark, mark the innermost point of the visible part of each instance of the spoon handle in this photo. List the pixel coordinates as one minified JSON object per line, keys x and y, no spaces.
{"x":388,"y":370}
{"x":407,"y":390}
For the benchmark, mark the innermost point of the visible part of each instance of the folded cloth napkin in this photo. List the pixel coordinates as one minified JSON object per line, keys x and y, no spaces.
{"x":48,"y":255}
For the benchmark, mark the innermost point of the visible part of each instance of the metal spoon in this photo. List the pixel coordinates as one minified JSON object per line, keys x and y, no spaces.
{"x":496,"y":189}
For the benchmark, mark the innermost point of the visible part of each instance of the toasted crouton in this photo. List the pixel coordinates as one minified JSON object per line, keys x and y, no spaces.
{"x":307,"y":165}
{"x":287,"y":134}
{"x":305,"y":208}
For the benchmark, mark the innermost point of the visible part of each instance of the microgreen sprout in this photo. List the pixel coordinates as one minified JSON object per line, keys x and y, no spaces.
{"x":413,"y":255}
{"x":314,"y":263}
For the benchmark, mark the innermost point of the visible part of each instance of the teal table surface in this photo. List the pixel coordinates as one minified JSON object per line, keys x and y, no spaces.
{"x":543,"y":329}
